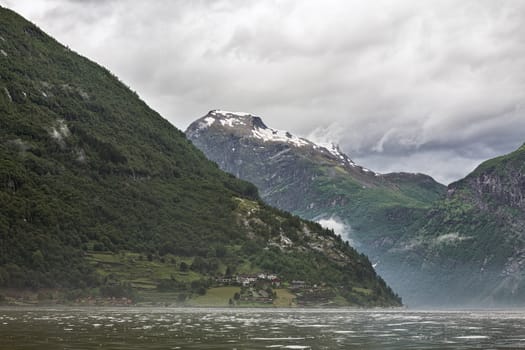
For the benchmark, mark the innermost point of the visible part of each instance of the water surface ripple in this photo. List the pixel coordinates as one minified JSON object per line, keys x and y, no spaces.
{"x":185,"y":328}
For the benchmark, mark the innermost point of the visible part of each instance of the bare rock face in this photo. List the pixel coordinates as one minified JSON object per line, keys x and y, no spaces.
{"x":496,"y":187}
{"x":492,"y":189}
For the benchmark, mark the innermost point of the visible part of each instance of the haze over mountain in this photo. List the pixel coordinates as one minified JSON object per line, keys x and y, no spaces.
{"x":102,"y":196}
{"x":472,"y":242}
{"x":423,"y":86}
{"x":437,"y":246}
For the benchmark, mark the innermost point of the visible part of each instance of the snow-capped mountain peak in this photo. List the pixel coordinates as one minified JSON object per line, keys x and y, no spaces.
{"x":250,"y":125}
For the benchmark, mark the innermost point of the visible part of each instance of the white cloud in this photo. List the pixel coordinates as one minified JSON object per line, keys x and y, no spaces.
{"x":339,"y":227}
{"x":389,"y":80}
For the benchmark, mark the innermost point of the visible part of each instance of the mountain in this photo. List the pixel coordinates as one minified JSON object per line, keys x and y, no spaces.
{"x":472,"y":241}
{"x":100,"y":195}
{"x":455,"y":246}
{"x":301,"y":176}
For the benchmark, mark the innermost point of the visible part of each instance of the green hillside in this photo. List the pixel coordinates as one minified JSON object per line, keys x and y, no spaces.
{"x":97,"y":188}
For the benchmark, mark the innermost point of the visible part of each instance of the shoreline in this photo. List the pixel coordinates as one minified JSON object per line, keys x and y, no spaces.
{"x":218,"y":297}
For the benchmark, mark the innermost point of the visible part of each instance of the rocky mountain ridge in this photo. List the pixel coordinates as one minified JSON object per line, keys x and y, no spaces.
{"x":242,"y":124}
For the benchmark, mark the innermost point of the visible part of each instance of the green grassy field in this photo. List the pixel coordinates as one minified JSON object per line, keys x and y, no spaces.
{"x":138,"y":270}
{"x":364,"y":291}
{"x":284,"y":298}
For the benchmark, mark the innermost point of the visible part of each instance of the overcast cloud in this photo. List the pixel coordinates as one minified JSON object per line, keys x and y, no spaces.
{"x":427,"y":86}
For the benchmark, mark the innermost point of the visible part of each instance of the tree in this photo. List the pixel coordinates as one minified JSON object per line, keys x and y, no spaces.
{"x":4,"y":277}
{"x":38,"y":259}
{"x":220,"y":251}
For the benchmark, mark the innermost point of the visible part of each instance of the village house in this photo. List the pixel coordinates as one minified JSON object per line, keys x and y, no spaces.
{"x":246,"y":280}
{"x":297,"y":284}
{"x":224,"y":280}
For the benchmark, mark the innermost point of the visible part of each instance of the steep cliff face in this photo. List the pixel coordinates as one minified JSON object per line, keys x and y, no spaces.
{"x":473,"y":241}
{"x":497,"y":183}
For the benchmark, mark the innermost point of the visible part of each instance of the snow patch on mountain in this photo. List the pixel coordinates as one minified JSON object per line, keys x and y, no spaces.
{"x":330,"y":147}
{"x":272,"y":135}
{"x":334,"y":150}
{"x":206,"y":123}
{"x":227,"y":113}
{"x":231,"y":122}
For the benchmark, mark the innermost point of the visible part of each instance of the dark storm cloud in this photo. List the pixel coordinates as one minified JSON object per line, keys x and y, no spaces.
{"x":429,"y":86}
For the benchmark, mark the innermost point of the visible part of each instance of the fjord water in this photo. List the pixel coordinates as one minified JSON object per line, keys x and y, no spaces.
{"x":184,"y":328}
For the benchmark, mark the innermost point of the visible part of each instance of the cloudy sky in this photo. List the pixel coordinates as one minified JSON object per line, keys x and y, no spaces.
{"x":423,"y":86}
